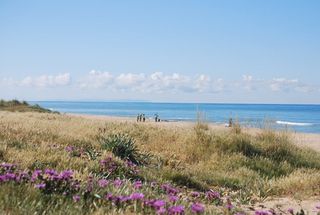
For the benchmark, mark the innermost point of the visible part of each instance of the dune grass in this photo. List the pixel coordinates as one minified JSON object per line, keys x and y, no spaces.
{"x":245,"y":167}
{"x":17,"y":106}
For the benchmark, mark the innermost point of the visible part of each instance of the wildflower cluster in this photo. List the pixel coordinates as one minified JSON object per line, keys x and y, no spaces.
{"x":115,"y":193}
{"x":48,"y":181}
{"x":110,"y":168}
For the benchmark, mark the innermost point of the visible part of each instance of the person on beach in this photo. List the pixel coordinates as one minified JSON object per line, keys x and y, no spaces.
{"x":143,"y":117}
{"x":156,"y":117}
{"x":230,"y":122}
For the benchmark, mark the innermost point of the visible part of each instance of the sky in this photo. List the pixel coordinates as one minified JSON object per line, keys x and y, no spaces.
{"x":213,"y":51}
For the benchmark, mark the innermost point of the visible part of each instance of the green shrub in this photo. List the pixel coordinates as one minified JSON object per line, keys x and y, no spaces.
{"x":123,"y":146}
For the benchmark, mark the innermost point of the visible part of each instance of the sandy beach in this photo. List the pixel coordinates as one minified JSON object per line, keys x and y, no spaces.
{"x":300,"y":139}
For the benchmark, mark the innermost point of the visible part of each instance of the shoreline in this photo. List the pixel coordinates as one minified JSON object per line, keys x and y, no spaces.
{"x":309,"y":140}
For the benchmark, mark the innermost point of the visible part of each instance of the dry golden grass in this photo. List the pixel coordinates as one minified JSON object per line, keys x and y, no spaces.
{"x":195,"y":156}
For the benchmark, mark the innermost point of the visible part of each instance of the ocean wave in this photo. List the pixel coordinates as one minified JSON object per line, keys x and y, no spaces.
{"x":294,"y":123}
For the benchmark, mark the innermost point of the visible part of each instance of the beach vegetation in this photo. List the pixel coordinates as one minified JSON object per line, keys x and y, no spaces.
{"x":22,"y":106}
{"x":107,"y":167}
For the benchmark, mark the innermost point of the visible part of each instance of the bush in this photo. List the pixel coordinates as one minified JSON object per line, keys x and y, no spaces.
{"x":123,"y":146}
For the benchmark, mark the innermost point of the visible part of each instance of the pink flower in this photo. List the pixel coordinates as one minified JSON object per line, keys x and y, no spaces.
{"x":211,"y":195}
{"x":169,"y":189}
{"x":179,"y":209}
{"x":195,"y":194}
{"x":137,"y":196}
{"x":117,"y":183}
{"x":35,"y":175}
{"x":261,"y":212}
{"x":69,"y":148}
{"x":197,"y":208}
{"x":161,"y":211}
{"x":40,"y":186}
{"x":76,"y":198}
{"x":103,"y":183}
{"x":173,"y":198}
{"x":137,"y":185}
{"x":159,"y":204}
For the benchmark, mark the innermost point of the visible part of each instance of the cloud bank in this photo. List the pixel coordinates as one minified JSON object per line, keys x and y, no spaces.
{"x":159,"y":82}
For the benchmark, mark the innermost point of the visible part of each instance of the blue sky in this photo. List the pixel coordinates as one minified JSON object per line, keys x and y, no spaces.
{"x":177,"y":51}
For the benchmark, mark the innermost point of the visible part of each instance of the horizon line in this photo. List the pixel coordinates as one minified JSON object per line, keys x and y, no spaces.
{"x":170,"y":102}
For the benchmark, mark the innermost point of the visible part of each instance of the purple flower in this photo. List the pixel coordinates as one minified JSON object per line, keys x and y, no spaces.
{"x":10,"y":176}
{"x":90,"y":184}
{"x":130,"y":163}
{"x":65,"y":175}
{"x":103,"y":182}
{"x":173,"y":198}
{"x":35,"y":175}
{"x":50,"y":172}
{"x":76,"y":198}
{"x":137,"y":185}
{"x":211,"y":195}
{"x":159,"y":204}
{"x":137,"y":196}
{"x":197,"y":208}
{"x":229,"y":206}
{"x":3,"y":178}
{"x":117,"y":183}
{"x":22,"y":176}
{"x":69,"y":148}
{"x":161,"y":211}
{"x":149,"y":202}
{"x":179,"y":209}
{"x":195,"y":194}
{"x":40,"y":186}
{"x":290,"y":210}
{"x":169,"y":189}
{"x":261,"y":212}
{"x":108,"y":196}
{"x":8,"y":166}
{"x":124,"y":198}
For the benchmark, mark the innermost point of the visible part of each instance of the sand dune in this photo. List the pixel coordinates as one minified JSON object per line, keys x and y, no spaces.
{"x":301,"y":139}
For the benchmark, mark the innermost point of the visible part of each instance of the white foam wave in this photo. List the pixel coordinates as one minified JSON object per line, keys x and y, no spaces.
{"x":293,"y":123}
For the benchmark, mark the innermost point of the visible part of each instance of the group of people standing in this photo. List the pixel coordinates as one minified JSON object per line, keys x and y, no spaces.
{"x":142,"y":118}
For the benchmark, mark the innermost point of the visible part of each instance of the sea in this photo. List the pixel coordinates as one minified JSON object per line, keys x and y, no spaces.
{"x":295,"y":118}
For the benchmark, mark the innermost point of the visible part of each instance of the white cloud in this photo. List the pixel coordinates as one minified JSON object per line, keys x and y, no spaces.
{"x":247,"y":78}
{"x":283,"y":84}
{"x":130,"y":80}
{"x":46,"y":81}
{"x":249,"y":83}
{"x":157,"y":82}
{"x":97,"y":79}
{"x":7,"y":82}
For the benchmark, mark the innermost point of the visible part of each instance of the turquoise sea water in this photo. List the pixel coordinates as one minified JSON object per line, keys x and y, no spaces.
{"x":300,"y":118}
